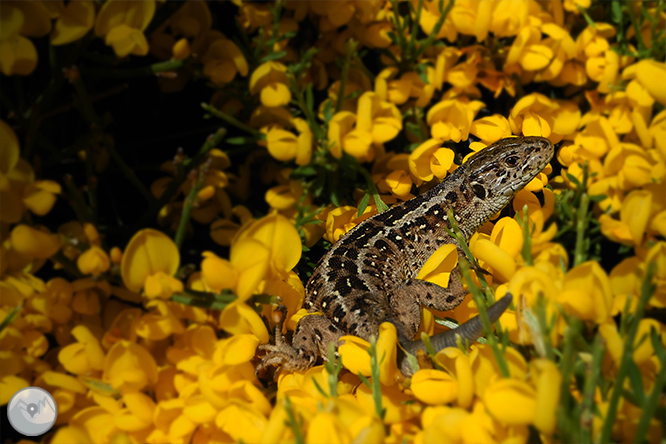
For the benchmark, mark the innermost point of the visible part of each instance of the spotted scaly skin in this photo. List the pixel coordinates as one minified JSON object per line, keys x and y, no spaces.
{"x":369,"y":276}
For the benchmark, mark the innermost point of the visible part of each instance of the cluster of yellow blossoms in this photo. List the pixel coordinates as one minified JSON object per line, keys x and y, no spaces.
{"x":135,"y":348}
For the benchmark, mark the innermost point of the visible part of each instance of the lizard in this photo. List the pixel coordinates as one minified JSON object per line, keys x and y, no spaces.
{"x":369,"y":276}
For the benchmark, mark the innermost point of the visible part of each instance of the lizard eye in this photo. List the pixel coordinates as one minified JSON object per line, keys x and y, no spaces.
{"x":512,"y":161}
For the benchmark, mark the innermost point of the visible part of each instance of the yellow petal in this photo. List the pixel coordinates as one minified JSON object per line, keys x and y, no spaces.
{"x":548,"y":381}
{"x":434,"y":387}
{"x":74,"y":21}
{"x":33,"y":243}
{"x":148,"y":252}
{"x":251,"y":259}
{"x":275,"y":94}
{"x":238,"y":318}
{"x":652,"y":75}
{"x":218,"y":273}
{"x":519,"y":395}
{"x":136,"y":15}
{"x":9,"y":148}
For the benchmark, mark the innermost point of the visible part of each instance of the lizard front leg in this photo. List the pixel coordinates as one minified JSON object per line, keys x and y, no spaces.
{"x":311,"y":338}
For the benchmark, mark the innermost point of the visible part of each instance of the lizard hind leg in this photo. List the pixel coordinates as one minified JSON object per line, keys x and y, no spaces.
{"x":435,"y":296}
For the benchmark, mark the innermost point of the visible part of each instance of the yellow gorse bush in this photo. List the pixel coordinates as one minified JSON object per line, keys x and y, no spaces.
{"x":330,"y":111}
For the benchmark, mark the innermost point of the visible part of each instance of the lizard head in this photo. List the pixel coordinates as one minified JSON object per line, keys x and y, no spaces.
{"x":499,"y":171}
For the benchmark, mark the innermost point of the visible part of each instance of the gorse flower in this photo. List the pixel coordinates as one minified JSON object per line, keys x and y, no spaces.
{"x":146,"y":320}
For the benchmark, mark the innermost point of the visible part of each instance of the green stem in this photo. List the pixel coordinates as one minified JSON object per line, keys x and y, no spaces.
{"x":351,"y":48}
{"x":581,"y":228}
{"x":295,"y":426}
{"x":485,"y":320}
{"x":524,"y":221}
{"x":81,"y":209}
{"x":145,"y":71}
{"x":567,"y":365}
{"x":415,"y":28}
{"x":155,"y":205}
{"x":637,"y":28}
{"x":10,"y":317}
{"x":376,"y":383}
{"x":188,"y":206}
{"x":372,"y":188}
{"x":653,"y":400}
{"x":592,"y":373}
{"x":67,"y":265}
{"x":231,"y":120}
{"x":647,"y":290}
{"x":435,"y":30}
{"x":127,"y":171}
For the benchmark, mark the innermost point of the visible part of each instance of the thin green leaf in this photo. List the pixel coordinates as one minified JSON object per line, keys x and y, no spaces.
{"x":363,"y":205}
{"x":273,"y":56}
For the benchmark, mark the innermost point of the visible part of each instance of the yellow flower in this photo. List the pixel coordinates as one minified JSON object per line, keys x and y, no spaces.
{"x":137,"y":414}
{"x":285,"y":145}
{"x":93,"y":261}
{"x":379,"y":118}
{"x":339,"y":126}
{"x":18,"y":189}
{"x":491,"y":129}
{"x":519,"y":395}
{"x":397,"y":404}
{"x":399,"y":183}
{"x":500,"y":251}
{"x":160,"y":323}
{"x":129,"y":367}
{"x":240,"y":422}
{"x":451,"y":118}
{"x":355,"y":357}
{"x":431,"y":160}
{"x":528,"y":51}
{"x":587,"y":293}
{"x":547,"y":380}
{"x":84,"y":356}
{"x":238,"y":318}
{"x":223,"y":60}
{"x":507,"y":18}
{"x":342,"y":219}
{"x":537,"y":115}
{"x":19,"y":20}
{"x":529,"y":283}
{"x":148,"y":253}
{"x":634,"y":218}
{"x":563,"y":67}
{"x":430,"y":14}
{"x":74,"y":21}
{"x":71,"y":435}
{"x":34,"y":243}
{"x":254,"y":15}
{"x":122,"y":23}
{"x":218,"y":273}
{"x":439,"y":265}
{"x":270,"y":80}
{"x":657,"y":254}
{"x":161,"y":286}
{"x":604,"y":69}
{"x":650,"y":74}
{"x":181,"y":50}
{"x":279,"y":236}
{"x":434,"y":387}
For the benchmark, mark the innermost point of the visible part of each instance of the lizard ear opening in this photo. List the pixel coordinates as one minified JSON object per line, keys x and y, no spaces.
{"x":479,"y":190}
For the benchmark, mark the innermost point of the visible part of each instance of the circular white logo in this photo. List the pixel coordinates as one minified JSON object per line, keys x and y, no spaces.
{"x":32,"y":411}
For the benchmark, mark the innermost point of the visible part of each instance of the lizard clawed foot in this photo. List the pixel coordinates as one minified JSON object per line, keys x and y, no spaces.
{"x":281,"y":354}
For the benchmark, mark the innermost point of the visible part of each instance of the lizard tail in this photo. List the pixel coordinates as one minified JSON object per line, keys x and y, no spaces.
{"x":470,"y":331}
